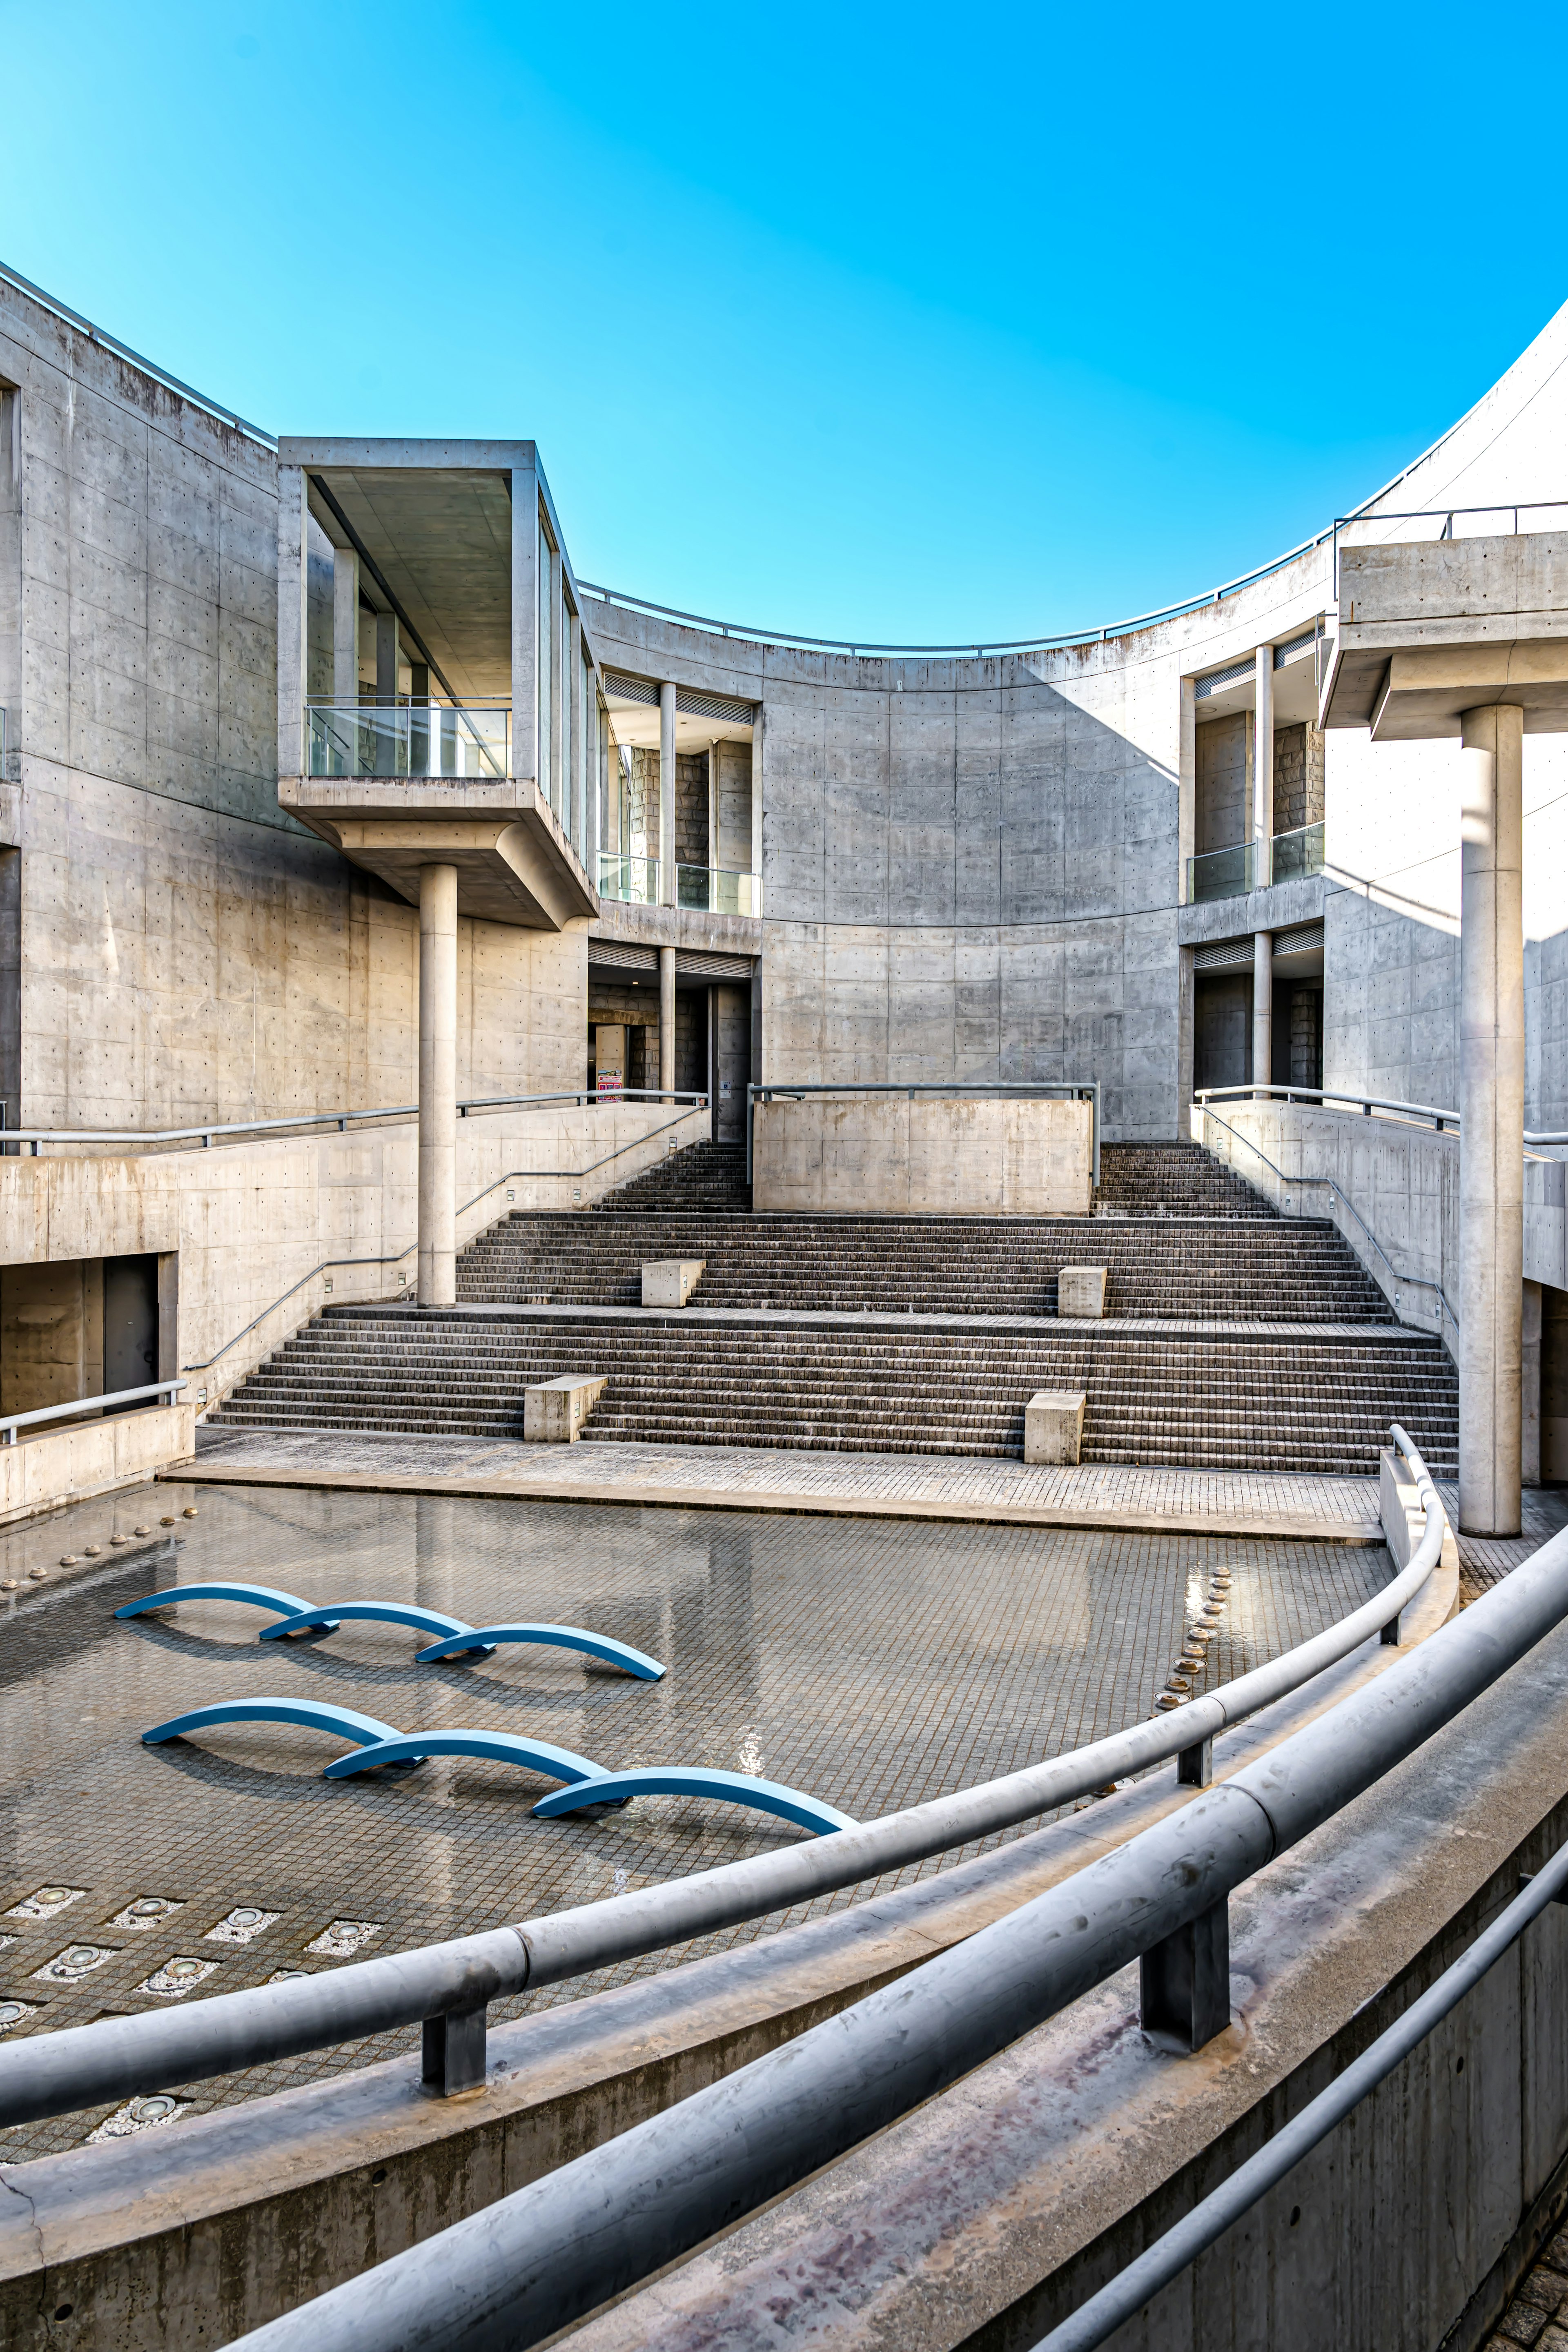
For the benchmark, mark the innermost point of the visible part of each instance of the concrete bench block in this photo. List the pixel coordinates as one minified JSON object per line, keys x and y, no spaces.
{"x":670,"y":1281}
{"x":554,"y":1413}
{"x":1053,"y":1425}
{"x":1080,"y":1290}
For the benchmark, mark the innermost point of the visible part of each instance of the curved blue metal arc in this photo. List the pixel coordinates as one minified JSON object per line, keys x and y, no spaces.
{"x":696,"y":1780}
{"x":560,"y":1637}
{"x":255,"y":1596}
{"x":342,"y":1722}
{"x":497,"y":1746}
{"x":333,"y":1613}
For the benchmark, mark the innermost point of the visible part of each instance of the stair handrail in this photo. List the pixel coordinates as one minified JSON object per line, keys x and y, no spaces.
{"x":1441,"y":1120}
{"x":124,"y":2057}
{"x":585,"y":1098}
{"x":12,"y":1421}
{"x":511,"y":1176}
{"x":1338,"y":1196}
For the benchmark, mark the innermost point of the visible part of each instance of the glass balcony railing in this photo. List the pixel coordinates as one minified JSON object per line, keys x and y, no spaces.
{"x":1298,"y":853}
{"x":408,"y":738}
{"x":634,"y":881}
{"x":1222,"y":873}
{"x":1232,"y":873}
{"x":706,"y":888}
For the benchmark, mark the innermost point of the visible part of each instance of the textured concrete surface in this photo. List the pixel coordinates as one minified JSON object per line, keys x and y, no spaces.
{"x":923,"y":1156}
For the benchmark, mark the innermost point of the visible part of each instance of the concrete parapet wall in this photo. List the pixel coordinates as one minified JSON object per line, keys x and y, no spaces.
{"x":937,"y":1156}
{"x":250,"y":1220}
{"x":50,"y":1466}
{"x":1403,"y":1180}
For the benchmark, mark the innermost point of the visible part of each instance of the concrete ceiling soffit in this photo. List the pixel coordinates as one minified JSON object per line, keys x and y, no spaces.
{"x":443,"y":539}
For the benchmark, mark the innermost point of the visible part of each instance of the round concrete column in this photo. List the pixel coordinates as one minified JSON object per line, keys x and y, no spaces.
{"x":666,"y":1020}
{"x":1262,"y":1007}
{"x":438,"y":1086}
{"x":1491,"y":1108}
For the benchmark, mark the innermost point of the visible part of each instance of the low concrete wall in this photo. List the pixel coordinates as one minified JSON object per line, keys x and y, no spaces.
{"x":974,"y":1156}
{"x":250,"y":1220}
{"x":49,"y":1466}
{"x":1403,"y":1180}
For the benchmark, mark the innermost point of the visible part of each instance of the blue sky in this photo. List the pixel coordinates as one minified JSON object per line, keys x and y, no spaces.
{"x":904,"y":324}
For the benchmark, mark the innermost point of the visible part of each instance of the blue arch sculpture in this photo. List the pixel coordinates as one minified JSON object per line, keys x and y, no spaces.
{"x":698,"y":1781}
{"x":326,"y":1619}
{"x":455,"y":1638}
{"x":497,"y":1746}
{"x":342,"y":1722}
{"x":560,"y":1637}
{"x":254,"y":1596}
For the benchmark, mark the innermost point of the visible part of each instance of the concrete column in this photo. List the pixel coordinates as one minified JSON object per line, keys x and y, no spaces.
{"x":757,"y":808}
{"x":345,"y":624}
{"x":666,"y":1020}
{"x":1530,"y":1388}
{"x":438,"y":1085}
{"x":666,"y":896}
{"x":1263,"y":762}
{"x":1491,"y":1109}
{"x":1262,"y":1007}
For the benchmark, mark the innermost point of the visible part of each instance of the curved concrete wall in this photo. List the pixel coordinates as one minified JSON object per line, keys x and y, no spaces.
{"x":973,"y":867}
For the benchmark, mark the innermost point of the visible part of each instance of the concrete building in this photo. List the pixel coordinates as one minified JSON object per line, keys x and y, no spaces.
{"x":328,"y":786}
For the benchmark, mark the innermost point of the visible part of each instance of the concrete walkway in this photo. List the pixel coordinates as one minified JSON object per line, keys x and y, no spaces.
{"x":879,"y":1486}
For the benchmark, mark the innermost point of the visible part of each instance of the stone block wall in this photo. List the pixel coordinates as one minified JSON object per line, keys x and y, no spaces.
{"x":1298,"y":777}
{"x":691,"y":808}
{"x":733,"y":797}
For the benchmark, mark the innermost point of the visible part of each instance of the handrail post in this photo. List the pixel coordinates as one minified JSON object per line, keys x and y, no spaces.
{"x":1183,"y":1982}
{"x":453,"y":2052}
{"x":1195,"y":1765}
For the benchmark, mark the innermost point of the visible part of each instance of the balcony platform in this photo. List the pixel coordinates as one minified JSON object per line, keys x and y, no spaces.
{"x":1282,"y":906}
{"x":514,"y":863}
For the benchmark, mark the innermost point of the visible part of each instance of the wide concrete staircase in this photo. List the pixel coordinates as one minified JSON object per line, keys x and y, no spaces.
{"x":899,"y":1335}
{"x":1279,"y":1403}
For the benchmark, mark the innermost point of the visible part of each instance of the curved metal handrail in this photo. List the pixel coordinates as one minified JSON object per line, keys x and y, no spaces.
{"x":531,"y":2262}
{"x":1121,"y":2297}
{"x":118,"y":2058}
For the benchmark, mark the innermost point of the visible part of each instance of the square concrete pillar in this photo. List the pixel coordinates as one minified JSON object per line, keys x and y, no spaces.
{"x":1053,"y":1425}
{"x":1080,"y":1289}
{"x":670,"y":1281}
{"x":554,"y":1413}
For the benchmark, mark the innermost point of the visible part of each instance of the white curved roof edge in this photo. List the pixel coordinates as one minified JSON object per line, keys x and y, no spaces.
{"x":1504,"y":451}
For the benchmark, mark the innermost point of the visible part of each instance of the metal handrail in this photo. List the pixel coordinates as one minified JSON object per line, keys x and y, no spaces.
{"x":12,"y":1421}
{"x":122,"y":2057}
{"x":112,"y":343}
{"x":1430,"y":514}
{"x":1063,"y":1090}
{"x":511,"y":1176}
{"x":1127,"y":2294}
{"x":1336,"y":1193}
{"x":584,"y":1098}
{"x":1368,"y":1103}
{"x":528,"y":2264}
